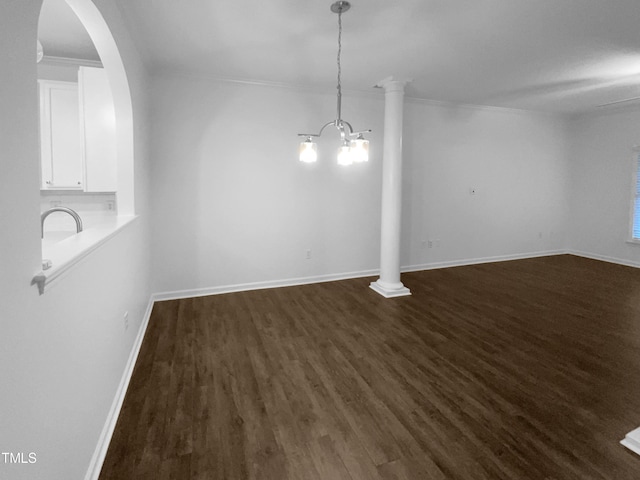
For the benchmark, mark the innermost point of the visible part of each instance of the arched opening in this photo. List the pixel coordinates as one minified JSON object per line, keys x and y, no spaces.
{"x":86,"y":134}
{"x":104,"y":42}
{"x":90,"y":43}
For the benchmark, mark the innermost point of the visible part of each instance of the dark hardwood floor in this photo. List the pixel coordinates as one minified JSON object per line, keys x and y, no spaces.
{"x":526,"y":369}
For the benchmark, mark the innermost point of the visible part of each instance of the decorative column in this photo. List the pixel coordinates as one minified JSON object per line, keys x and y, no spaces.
{"x":389,"y":284}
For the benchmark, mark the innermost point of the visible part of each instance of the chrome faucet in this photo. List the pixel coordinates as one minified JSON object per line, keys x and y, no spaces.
{"x":73,"y":213}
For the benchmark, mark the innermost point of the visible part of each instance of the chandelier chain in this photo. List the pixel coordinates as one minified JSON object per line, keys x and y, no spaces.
{"x":339,"y":51}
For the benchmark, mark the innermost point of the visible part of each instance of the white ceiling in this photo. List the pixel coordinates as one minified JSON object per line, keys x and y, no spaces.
{"x":62,"y":34}
{"x":551,"y":55}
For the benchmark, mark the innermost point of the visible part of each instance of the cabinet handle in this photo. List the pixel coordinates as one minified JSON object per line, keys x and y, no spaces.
{"x":48,"y":182}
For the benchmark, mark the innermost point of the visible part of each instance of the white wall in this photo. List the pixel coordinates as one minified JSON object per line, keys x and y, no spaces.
{"x":61,"y":73}
{"x":231,"y":202}
{"x":600,"y":189}
{"x":514,"y":160}
{"x":233,"y":205}
{"x":61,"y":354}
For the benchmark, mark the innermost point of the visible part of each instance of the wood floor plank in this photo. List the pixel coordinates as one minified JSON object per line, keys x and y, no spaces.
{"x":327,"y":460}
{"x":527,"y":369}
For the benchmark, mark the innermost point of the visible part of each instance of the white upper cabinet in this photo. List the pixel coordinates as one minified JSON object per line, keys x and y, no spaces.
{"x":60,"y":141}
{"x":78,"y":133}
{"x":98,"y":130}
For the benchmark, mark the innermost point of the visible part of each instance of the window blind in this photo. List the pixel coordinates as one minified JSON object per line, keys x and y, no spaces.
{"x":636,"y":202}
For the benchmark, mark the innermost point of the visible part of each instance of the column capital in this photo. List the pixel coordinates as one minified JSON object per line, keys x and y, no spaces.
{"x":391,"y":84}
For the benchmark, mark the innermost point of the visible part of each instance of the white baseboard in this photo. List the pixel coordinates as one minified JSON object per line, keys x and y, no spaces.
{"x":243,"y":287}
{"x":476,"y":261}
{"x":100,"y":452}
{"x":604,"y":258}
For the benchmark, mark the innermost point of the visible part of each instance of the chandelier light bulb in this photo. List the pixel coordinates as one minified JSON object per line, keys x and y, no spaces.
{"x":360,"y":149}
{"x":344,"y":154}
{"x":308,"y":151}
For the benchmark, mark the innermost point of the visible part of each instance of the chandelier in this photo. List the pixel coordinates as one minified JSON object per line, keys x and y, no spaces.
{"x":353,"y":147}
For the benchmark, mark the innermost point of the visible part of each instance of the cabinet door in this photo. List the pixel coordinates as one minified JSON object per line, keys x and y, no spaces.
{"x":99,"y":130}
{"x":60,"y":144}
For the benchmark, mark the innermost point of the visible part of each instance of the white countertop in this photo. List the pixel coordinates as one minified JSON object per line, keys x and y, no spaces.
{"x":65,"y":248}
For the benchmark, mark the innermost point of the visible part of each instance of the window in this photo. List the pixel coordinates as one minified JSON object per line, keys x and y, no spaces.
{"x":635,"y":205}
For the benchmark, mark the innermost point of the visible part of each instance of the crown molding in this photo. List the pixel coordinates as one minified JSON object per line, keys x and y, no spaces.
{"x":70,"y":62}
{"x":371,"y":93}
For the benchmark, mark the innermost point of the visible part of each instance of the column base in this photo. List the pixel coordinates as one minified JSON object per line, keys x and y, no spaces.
{"x":390,"y":290}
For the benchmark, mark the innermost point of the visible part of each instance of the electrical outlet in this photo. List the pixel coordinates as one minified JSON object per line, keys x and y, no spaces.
{"x":126,"y":321}
{"x":308,"y":254}
{"x":430,"y":243}
{"x":109,"y":205}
